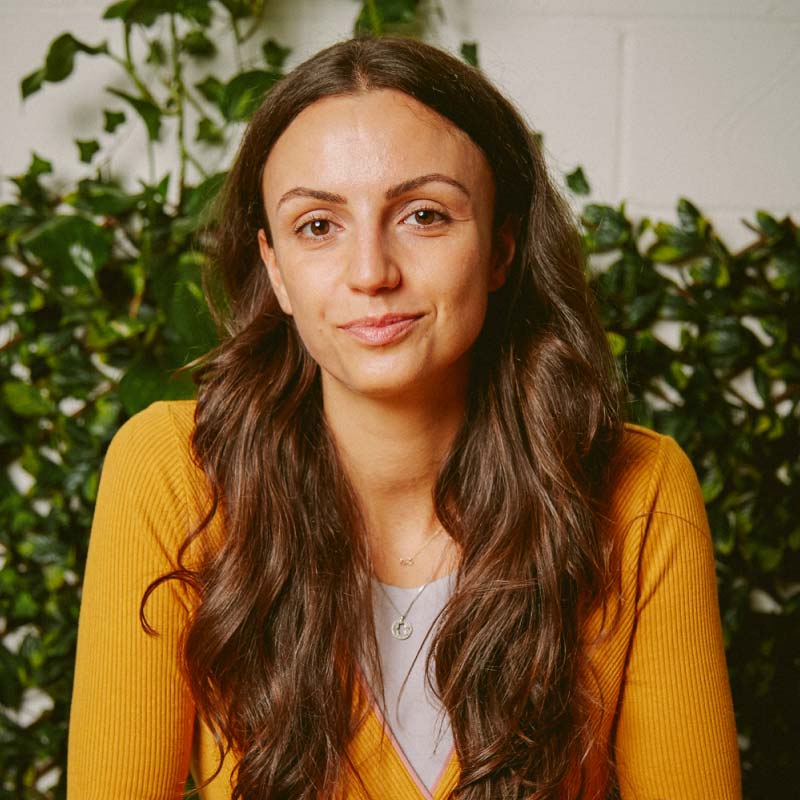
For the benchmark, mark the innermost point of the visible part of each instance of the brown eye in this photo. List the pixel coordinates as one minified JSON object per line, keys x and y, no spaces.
{"x":320,"y":226}
{"x":315,"y":229}
{"x":425,"y":216}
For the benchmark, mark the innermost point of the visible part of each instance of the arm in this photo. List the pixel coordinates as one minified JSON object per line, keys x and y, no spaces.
{"x":131,"y":718}
{"x":676,"y":735}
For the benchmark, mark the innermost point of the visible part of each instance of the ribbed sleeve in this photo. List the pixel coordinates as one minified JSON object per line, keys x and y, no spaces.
{"x":676,"y":736}
{"x":131,"y":719}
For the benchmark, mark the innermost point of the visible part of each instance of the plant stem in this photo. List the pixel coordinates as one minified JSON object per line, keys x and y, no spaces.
{"x":130,"y":69}
{"x":197,"y":165}
{"x":193,"y":101}
{"x":178,"y":92}
{"x":238,"y":39}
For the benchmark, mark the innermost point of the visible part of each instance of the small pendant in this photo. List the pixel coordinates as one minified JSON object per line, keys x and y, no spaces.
{"x":402,"y":629}
{"x":407,"y":562}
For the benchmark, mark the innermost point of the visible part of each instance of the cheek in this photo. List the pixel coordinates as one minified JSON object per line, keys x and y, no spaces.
{"x":308,"y":309}
{"x":465,"y":298}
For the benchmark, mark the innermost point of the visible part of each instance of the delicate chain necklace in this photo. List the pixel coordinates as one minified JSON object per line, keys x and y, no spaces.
{"x":401,"y":627}
{"x":409,"y":561}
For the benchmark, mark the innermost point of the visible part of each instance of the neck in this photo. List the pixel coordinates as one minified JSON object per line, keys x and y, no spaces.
{"x":392,"y":449}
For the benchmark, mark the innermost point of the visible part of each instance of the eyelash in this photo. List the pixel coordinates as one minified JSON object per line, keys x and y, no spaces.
{"x":298,"y":231}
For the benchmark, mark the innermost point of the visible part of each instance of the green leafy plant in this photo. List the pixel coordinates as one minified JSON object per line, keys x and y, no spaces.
{"x":100,"y":303}
{"x":710,"y":343}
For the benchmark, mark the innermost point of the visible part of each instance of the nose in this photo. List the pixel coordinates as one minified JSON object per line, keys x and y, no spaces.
{"x":372,"y":266}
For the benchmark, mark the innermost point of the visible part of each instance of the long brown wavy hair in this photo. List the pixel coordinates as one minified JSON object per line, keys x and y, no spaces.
{"x":283,"y":615}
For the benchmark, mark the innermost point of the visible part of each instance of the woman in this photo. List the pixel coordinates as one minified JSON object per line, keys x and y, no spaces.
{"x":403,"y":545}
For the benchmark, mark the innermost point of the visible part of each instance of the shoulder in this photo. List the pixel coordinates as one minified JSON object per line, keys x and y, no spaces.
{"x":150,"y":458}
{"x":649,"y":469}
{"x":152,"y":489}
{"x":155,"y":440}
{"x":165,"y":425}
{"x":654,"y":486}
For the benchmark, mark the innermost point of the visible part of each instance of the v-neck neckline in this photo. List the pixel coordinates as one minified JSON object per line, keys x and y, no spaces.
{"x":447,"y":777}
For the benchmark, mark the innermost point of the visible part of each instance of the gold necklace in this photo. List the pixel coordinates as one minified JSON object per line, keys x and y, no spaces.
{"x":401,"y":627}
{"x":409,"y":560}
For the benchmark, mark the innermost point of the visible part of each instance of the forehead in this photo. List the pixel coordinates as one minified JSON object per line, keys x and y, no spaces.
{"x":371,"y":138}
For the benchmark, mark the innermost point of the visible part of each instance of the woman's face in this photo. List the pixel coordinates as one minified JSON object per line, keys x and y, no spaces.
{"x":379,"y":206}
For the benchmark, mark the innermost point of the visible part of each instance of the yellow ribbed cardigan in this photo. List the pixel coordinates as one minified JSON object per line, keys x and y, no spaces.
{"x":666,"y":720}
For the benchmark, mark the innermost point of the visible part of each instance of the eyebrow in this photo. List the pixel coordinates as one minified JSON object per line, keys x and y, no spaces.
{"x":391,"y":193}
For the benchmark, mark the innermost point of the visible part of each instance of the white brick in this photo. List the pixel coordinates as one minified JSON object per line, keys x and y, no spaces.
{"x":564,"y":74}
{"x":712,"y":112}
{"x":728,"y":9}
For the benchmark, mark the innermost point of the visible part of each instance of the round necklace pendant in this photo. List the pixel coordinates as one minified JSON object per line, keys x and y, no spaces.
{"x":402,"y":629}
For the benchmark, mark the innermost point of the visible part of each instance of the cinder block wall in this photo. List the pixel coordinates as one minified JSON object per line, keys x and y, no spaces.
{"x":655,"y":98}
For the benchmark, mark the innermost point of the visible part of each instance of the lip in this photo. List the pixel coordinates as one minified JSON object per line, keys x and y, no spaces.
{"x":381,"y":330}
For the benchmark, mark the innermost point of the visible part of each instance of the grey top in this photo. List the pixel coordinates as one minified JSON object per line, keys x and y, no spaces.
{"x":417,"y":720}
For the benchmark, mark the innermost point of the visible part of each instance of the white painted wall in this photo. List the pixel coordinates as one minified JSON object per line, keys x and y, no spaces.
{"x":656,"y":99}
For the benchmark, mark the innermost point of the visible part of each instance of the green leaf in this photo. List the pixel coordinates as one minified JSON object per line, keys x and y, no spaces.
{"x":87,"y":148}
{"x":677,"y":307}
{"x":199,"y":197}
{"x":212,"y":89}
{"x":617,"y":343}
{"x":25,"y":400}
{"x":207,"y":131}
{"x":190,"y":319}
{"x":157,"y":54}
{"x":675,"y":243}
{"x":10,"y":684}
{"x":244,"y":93}
{"x":238,"y":9}
{"x":274,"y":54}
{"x":99,"y":197}
{"x":768,"y":224}
{"x":607,"y":227}
{"x":197,"y":10}
{"x":147,"y":381}
{"x":679,"y":379}
{"x":59,"y":62}
{"x":763,"y":385}
{"x":41,"y":549}
{"x":642,"y":307}
{"x":150,"y":114}
{"x":197,"y":44}
{"x":71,"y":247}
{"x":712,"y":483}
{"x":146,"y":12}
{"x":787,"y":272}
{"x":198,"y":203}
{"x":113,"y":119}
{"x":39,"y":166}
{"x":30,"y":189}
{"x":710,"y":270}
{"x":142,"y":384}
{"x":577,"y":182}
{"x":387,"y":16}
{"x":689,"y":217}
{"x":14,"y":218}
{"x":770,"y":557}
{"x":665,"y":253}
{"x":123,"y":10}
{"x":31,"y":84}
{"x":727,"y":343}
{"x":469,"y":52}
{"x":25,"y":607}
